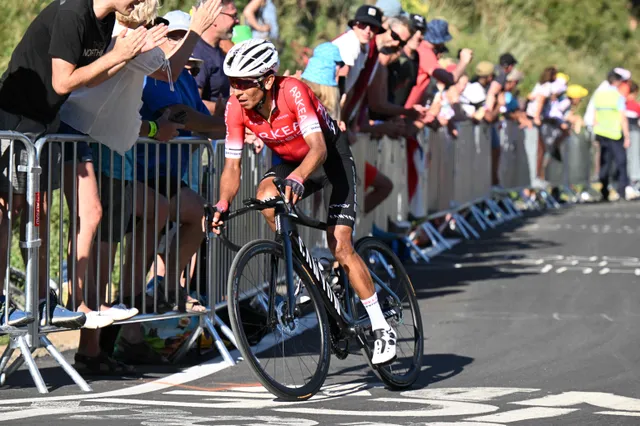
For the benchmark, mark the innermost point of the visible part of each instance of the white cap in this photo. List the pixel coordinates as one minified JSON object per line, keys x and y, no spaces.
{"x":625,"y":74}
{"x":178,"y":20}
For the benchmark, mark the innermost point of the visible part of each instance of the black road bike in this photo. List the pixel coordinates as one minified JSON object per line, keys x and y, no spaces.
{"x":307,"y":309}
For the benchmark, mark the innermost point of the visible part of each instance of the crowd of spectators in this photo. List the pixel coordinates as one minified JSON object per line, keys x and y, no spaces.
{"x":389,"y":74}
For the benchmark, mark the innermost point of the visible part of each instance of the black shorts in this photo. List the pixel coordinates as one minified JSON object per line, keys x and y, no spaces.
{"x":175,"y":184}
{"x":339,"y":170}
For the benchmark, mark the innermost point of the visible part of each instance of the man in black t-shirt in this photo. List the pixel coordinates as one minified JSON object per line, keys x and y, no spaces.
{"x":62,"y":50}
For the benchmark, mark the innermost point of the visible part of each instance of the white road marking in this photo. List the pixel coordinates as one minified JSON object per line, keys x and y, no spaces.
{"x":607,"y":317}
{"x":546,"y":268}
{"x":524,"y":414}
{"x":561,"y":270}
{"x":466,"y":394}
{"x":438,"y":408}
{"x":603,"y":263}
{"x":587,"y":271}
{"x":620,"y":413}
{"x":597,"y":399}
{"x":556,"y":316}
{"x":604,"y":271}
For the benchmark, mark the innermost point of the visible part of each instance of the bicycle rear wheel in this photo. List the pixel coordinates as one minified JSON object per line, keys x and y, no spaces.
{"x":291,"y":359}
{"x":384,"y":266}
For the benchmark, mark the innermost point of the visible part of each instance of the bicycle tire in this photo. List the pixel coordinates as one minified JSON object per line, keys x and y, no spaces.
{"x":384,"y":373}
{"x":284,"y":392}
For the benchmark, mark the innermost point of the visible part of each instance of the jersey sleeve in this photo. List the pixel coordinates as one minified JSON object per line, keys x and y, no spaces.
{"x":66,"y":37}
{"x":299,"y":101}
{"x":233,"y":119}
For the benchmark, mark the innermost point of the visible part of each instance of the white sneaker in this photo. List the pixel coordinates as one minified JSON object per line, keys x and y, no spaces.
{"x":120,"y":312}
{"x":384,"y":348}
{"x":630,"y":193}
{"x":96,"y":320}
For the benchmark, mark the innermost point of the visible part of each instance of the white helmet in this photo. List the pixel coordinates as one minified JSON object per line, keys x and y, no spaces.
{"x":251,"y":58}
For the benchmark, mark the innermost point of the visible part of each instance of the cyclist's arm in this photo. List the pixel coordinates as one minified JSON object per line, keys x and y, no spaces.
{"x":230,"y":179}
{"x":315,"y":157}
{"x":233,"y":145}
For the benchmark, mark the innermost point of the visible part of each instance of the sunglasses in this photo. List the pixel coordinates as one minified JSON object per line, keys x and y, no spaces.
{"x":396,"y":37}
{"x":363,"y":26}
{"x":245,"y":84}
{"x":234,"y":16}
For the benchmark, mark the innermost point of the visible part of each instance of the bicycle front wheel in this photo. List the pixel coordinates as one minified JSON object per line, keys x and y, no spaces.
{"x":289,"y":357}
{"x":398,"y":301}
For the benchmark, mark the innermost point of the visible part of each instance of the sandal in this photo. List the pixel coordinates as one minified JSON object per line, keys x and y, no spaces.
{"x":102,"y":365}
{"x":194,"y":305}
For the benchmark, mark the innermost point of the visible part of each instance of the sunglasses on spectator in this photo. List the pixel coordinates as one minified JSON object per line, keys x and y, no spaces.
{"x":396,"y":37}
{"x":363,"y":26}
{"x":244,"y":83}
{"x":234,"y":16}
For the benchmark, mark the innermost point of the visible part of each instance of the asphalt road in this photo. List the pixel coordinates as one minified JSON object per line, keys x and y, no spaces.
{"x":536,"y":323}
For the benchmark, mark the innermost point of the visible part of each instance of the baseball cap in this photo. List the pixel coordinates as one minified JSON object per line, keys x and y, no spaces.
{"x":625,"y":74}
{"x":575,"y":91}
{"x":418,"y":22}
{"x":515,"y":75}
{"x":485,"y":69}
{"x":178,"y":20}
{"x":368,"y":15}
{"x":390,"y":8}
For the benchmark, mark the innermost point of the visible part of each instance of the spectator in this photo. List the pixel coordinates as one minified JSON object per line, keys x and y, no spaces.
{"x":85,"y":112}
{"x":41,"y":74}
{"x":403,"y":73}
{"x":355,"y":46}
{"x":611,"y":128}
{"x":212,"y":83}
{"x":262,"y":17}
{"x":576,"y":93}
{"x":506,"y":64}
{"x":589,"y":115}
{"x":552,"y":131}
{"x":157,"y":98}
{"x":508,"y":100}
{"x":436,"y":36}
{"x":537,"y":103}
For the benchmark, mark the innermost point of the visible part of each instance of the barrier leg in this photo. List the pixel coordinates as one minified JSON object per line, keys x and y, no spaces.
{"x":225,"y":330}
{"x":218,"y":341}
{"x":511,"y":206}
{"x":549,"y":200}
{"x":6,"y":356}
{"x":21,"y":343}
{"x":496,"y":212}
{"x":64,"y":364}
{"x":415,"y":249}
{"x":479,"y":217}
{"x":186,"y":346}
{"x":509,"y":213}
{"x":459,"y":224}
{"x":462,"y":222}
{"x":435,"y":236}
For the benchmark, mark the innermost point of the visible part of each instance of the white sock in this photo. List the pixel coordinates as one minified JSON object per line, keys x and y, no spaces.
{"x":378,"y":322}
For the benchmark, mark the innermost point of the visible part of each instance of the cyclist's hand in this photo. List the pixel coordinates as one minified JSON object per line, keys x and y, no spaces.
{"x":221,"y":207}
{"x":294,"y":189}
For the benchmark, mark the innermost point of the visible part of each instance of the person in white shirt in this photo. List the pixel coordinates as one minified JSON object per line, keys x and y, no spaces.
{"x":109,"y":113}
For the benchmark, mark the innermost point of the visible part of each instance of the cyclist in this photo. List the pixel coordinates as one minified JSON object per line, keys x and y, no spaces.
{"x":287,"y":116}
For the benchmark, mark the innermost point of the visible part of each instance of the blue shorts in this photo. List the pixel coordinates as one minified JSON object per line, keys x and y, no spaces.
{"x":84,"y":154}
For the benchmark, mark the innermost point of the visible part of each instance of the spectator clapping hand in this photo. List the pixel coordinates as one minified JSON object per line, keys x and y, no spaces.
{"x":205,"y":15}
{"x":155,"y":37}
{"x":466,"y":56}
{"x":130,"y":43}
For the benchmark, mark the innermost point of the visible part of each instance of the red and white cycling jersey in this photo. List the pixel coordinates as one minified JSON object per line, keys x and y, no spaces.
{"x":296,"y":113}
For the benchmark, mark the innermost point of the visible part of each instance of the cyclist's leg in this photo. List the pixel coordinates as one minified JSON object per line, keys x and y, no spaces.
{"x":340,"y":171}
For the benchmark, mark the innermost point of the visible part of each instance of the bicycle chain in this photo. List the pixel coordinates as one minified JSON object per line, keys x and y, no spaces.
{"x":337,"y":351}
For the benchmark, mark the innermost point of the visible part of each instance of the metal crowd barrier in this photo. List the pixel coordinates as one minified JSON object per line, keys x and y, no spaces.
{"x":633,"y":153}
{"x":111,"y":259}
{"x":20,"y":338}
